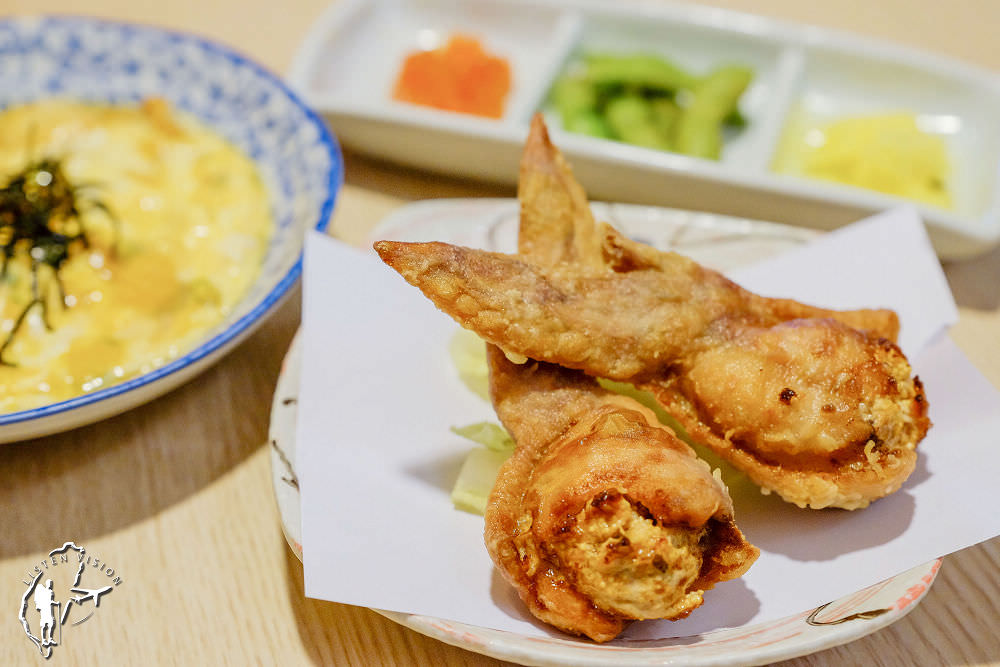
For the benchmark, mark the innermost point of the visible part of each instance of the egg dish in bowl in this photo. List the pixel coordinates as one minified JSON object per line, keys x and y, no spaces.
{"x":154,"y":192}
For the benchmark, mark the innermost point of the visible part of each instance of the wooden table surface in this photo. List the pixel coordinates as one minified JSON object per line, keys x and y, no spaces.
{"x":176,"y":495}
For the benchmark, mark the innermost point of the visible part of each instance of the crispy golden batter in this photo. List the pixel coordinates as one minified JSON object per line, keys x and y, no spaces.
{"x":602,"y":515}
{"x":821,"y":413}
{"x":617,"y":325}
{"x":556,"y":224}
{"x":816,"y":405}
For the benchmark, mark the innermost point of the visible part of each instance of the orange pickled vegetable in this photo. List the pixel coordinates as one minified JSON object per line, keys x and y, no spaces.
{"x":459,"y":76}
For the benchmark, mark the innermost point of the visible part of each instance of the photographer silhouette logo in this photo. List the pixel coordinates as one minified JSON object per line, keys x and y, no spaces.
{"x":59,"y":585}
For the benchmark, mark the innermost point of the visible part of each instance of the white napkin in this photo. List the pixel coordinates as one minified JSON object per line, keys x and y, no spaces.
{"x":376,"y":460}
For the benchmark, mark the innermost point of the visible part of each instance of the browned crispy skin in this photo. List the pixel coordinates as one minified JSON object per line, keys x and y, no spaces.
{"x":617,"y":325}
{"x":556,"y":224}
{"x":814,"y":404}
{"x":847,"y":463}
{"x":622,"y":255}
{"x":822,"y":413}
{"x":628,"y":326}
{"x":602,"y":515}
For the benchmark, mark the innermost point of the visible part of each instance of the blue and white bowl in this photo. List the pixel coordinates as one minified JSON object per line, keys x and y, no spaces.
{"x":298,"y":158}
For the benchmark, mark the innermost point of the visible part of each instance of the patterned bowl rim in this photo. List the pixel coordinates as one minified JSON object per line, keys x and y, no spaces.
{"x":255,"y":315}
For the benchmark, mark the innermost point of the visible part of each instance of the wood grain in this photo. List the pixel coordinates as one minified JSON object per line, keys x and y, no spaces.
{"x":176,"y":495}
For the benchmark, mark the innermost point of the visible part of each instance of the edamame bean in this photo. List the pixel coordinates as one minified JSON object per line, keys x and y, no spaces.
{"x":630,"y":118}
{"x":649,"y":101}
{"x":637,"y":70}
{"x":714,"y":98}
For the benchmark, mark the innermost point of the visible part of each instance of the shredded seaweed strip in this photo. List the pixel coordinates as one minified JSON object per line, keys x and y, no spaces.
{"x":40,"y":217}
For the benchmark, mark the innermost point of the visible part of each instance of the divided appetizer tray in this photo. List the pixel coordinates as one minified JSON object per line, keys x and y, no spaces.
{"x":350,"y":60}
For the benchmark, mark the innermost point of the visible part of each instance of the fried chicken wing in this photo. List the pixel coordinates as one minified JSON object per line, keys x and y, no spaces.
{"x":817,"y":405}
{"x":819,"y":412}
{"x":602,"y":515}
{"x":555,"y":223}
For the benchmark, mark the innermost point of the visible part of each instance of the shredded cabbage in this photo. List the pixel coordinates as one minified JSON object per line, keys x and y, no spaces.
{"x":478,"y":474}
{"x":468,"y":353}
{"x":479,"y":471}
{"x":490,"y":435}
{"x":476,"y":479}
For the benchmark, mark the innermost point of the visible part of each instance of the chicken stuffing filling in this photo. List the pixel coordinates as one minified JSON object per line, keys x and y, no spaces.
{"x":629,"y":565}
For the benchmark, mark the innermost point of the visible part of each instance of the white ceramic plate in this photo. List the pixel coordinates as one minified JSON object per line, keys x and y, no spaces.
{"x":299,"y":161}
{"x":824,"y":73}
{"x":717,"y":241}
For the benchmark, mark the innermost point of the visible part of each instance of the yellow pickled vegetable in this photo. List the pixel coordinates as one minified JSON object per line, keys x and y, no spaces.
{"x":888,"y":153}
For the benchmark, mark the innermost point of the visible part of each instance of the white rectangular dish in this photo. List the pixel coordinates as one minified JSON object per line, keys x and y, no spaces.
{"x":349,"y":62}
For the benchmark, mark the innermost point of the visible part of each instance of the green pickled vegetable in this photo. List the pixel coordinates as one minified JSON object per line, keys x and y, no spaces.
{"x":576,"y":99}
{"x":698,"y":135}
{"x":714,"y":98}
{"x":649,"y":101}
{"x":588,"y":122}
{"x":735,"y":119}
{"x":718,"y":93}
{"x":664,"y":115}
{"x":642,"y":70}
{"x":630,"y":117}
{"x":572,"y":94}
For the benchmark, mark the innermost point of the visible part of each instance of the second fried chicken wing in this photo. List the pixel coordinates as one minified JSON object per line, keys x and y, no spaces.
{"x":602,"y":516}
